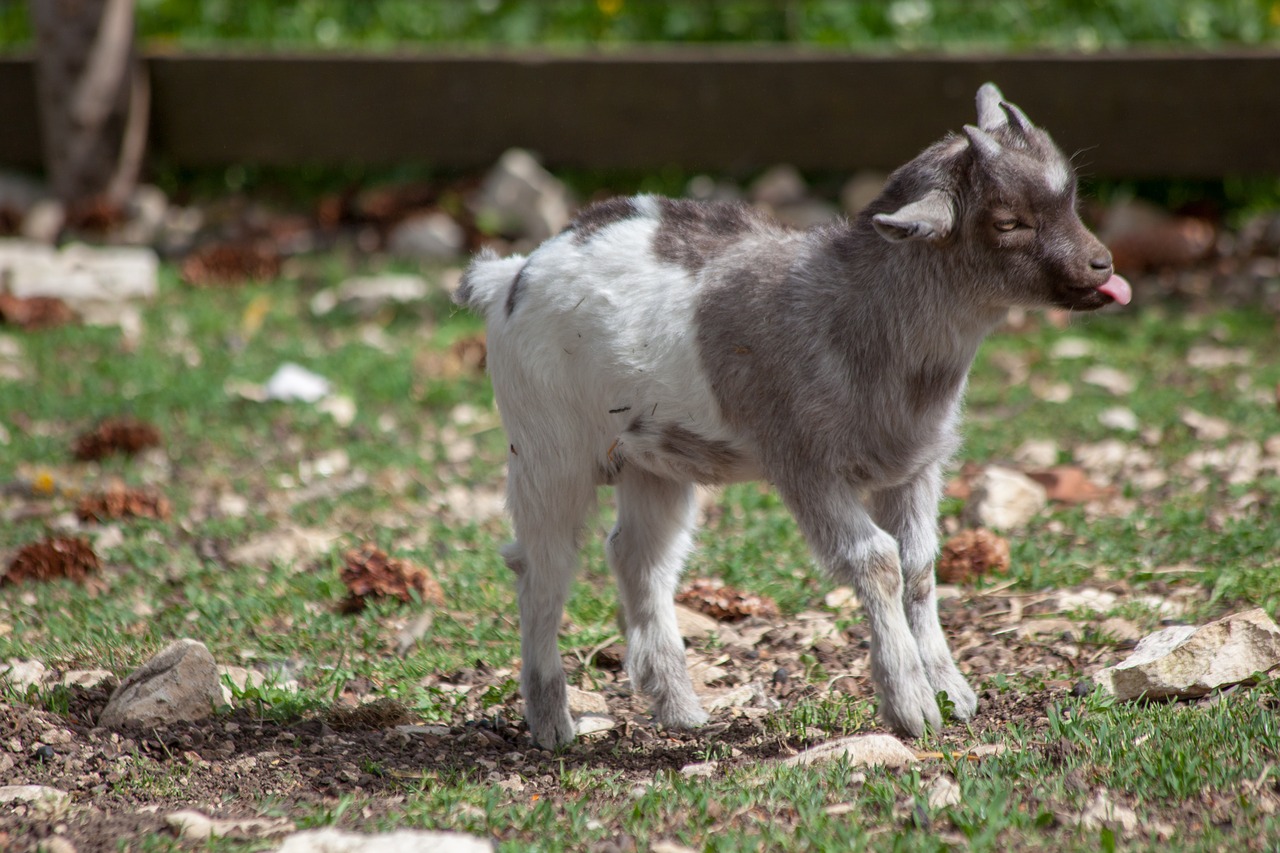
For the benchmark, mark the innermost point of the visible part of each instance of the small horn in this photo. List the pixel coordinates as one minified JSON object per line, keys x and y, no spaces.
{"x":982,"y":142}
{"x":990,"y":115}
{"x":1017,"y":118}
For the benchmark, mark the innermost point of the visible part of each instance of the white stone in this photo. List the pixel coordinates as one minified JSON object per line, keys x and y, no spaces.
{"x":1206,"y":357}
{"x":586,"y":702}
{"x":147,"y":209}
{"x":195,"y":826}
{"x":86,"y":678}
{"x":1005,"y":499}
{"x":779,"y":185}
{"x":340,"y":407}
{"x":330,"y":840}
{"x":427,"y":236}
{"x":746,"y":696}
{"x":240,"y":677}
{"x":179,"y":683}
{"x":367,"y":294}
{"x":82,"y":274}
{"x":943,"y":791}
{"x":21,"y":674}
{"x":43,"y":221}
{"x":1087,"y":598}
{"x":44,"y":799}
{"x":1185,"y":661}
{"x":694,"y":625}
{"x":701,"y":770}
{"x":1205,"y":427}
{"x":1119,"y":417}
{"x":292,"y":382}
{"x":1103,"y":812}
{"x":593,"y":724}
{"x":1037,"y":453}
{"x":288,"y":544}
{"x":1071,"y":348}
{"x":841,"y":598}
{"x":519,"y":196}
{"x":1109,"y":379}
{"x":859,"y":750}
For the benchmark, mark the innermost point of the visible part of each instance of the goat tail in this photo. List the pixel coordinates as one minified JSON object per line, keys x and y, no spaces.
{"x":487,"y":280}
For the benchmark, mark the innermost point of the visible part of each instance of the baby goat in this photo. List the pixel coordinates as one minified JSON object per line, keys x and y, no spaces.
{"x":655,"y":344}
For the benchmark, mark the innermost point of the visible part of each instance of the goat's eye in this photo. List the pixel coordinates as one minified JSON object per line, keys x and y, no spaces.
{"x":1006,"y":224}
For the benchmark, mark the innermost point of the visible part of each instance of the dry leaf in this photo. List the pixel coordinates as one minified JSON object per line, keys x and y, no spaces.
{"x":1068,"y":484}
{"x":97,"y":215}
{"x":370,"y":573}
{"x":121,"y":502}
{"x":231,"y":264}
{"x":115,"y":435}
{"x":34,"y":312}
{"x":970,"y":554}
{"x":63,"y":557}
{"x":725,"y":603}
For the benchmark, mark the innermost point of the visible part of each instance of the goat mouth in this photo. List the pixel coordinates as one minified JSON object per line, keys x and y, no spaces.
{"x":1092,"y":297}
{"x":1118,"y":289}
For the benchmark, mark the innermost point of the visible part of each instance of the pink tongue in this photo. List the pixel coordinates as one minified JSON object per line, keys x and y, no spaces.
{"x":1118,"y":289}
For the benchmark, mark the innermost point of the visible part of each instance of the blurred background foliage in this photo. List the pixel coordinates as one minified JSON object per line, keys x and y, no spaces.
{"x":933,"y":25}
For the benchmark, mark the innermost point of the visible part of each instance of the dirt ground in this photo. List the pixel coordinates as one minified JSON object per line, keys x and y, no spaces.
{"x":124,"y":783}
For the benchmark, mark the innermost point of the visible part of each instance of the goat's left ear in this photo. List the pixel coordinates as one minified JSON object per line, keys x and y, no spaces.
{"x":930,"y":218}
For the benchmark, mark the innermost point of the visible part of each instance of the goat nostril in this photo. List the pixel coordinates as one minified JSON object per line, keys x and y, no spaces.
{"x":1102,"y":263}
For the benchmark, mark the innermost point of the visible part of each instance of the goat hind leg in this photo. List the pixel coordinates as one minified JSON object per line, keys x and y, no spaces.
{"x":647,"y":550}
{"x":544,"y":559}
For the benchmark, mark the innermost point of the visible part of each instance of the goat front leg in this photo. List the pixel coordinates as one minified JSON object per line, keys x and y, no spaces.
{"x":548,"y":513}
{"x":856,"y":551}
{"x":910,"y":513}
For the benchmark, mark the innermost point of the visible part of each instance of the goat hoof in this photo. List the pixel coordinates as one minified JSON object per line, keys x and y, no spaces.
{"x":962,"y":697}
{"x":554,"y":731}
{"x":909,"y":712}
{"x":680,"y":715}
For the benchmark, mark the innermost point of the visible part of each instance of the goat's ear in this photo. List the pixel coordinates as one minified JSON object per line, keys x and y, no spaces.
{"x":930,"y":218}
{"x":990,"y":115}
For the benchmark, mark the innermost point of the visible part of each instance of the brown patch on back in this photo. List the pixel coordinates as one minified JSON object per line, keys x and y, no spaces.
{"x":595,"y":217}
{"x":690,"y":232}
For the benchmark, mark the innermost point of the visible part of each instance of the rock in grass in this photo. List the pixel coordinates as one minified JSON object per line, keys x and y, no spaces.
{"x":180,"y":683}
{"x":41,"y":799}
{"x":1005,"y":499}
{"x":331,"y":840}
{"x":21,"y":674}
{"x":195,"y":826}
{"x":859,"y":750}
{"x":1185,"y":661}
{"x":521,"y":198}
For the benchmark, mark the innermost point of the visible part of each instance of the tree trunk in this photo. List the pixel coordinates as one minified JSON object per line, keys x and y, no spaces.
{"x":93,"y":97}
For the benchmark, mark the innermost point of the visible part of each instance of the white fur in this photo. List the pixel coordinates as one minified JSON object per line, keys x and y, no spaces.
{"x":1057,"y":176}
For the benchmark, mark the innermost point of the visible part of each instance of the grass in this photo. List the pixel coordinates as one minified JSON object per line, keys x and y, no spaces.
{"x":1189,"y":765}
{"x":904,"y":24}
